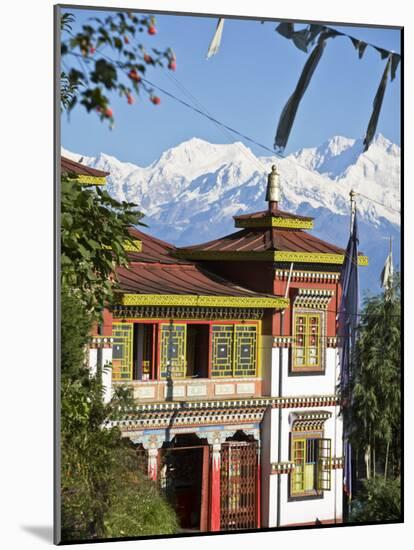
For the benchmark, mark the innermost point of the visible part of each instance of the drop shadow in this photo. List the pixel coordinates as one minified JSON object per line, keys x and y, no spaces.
{"x":42,"y":532}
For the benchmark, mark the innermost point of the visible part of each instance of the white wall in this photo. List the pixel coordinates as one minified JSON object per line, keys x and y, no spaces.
{"x":107,"y":373}
{"x":293,"y":385}
{"x":303,"y":511}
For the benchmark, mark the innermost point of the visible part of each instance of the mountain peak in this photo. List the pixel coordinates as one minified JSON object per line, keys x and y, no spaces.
{"x":338,"y":144}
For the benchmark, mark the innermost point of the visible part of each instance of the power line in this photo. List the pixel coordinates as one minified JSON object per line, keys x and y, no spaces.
{"x":377,"y":202}
{"x":229,"y":128}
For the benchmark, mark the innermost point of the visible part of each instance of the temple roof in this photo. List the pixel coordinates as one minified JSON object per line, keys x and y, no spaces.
{"x":253,"y":240}
{"x":155,"y":277}
{"x":153,"y":249}
{"x":81,"y":173}
{"x":276,"y":244}
{"x":277,"y":218}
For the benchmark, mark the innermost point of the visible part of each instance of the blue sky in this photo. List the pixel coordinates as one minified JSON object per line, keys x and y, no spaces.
{"x":245,"y":86}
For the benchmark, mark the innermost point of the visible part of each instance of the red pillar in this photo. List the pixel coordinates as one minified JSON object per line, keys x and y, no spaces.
{"x":258,"y":492}
{"x":215,"y":488}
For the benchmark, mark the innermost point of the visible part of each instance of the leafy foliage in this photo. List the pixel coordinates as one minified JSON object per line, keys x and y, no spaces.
{"x":91,"y":72}
{"x":376,"y":383}
{"x":94,"y":227}
{"x":102,"y":490}
{"x":379,"y":500}
{"x":75,"y":329}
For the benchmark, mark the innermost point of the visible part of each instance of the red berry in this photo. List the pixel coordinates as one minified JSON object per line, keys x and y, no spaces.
{"x":152,"y":30}
{"x":133,"y":75}
{"x":156,"y":100}
{"x":108,"y":112}
{"x":148,"y":59}
{"x":172,"y":65}
{"x":130,"y":99}
{"x":92,"y":50}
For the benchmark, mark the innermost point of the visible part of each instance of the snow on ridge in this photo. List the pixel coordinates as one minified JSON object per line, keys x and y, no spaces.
{"x":197,"y":176}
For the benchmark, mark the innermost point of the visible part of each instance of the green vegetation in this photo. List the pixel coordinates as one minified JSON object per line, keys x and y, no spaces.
{"x":375,"y":408}
{"x":378,"y":500}
{"x":104,"y":492}
{"x":90,"y":74}
{"x":94,"y":227}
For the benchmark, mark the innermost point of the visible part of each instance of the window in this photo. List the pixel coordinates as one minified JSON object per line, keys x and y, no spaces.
{"x":311,"y":456}
{"x":308,"y":338}
{"x":184,"y":350}
{"x":234,"y":350}
{"x":173,"y":347}
{"x":122,"y":351}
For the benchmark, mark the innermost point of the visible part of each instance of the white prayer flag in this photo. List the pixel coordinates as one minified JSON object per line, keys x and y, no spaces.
{"x":387,"y":272}
{"x":215,"y":42}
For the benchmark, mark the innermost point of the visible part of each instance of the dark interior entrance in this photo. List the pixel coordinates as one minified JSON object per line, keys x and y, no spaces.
{"x":184,"y":479}
{"x":144,"y":351}
{"x":197,"y":350}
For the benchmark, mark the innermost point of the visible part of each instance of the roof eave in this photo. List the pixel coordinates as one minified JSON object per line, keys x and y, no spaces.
{"x":269,"y":255}
{"x":193,"y":300}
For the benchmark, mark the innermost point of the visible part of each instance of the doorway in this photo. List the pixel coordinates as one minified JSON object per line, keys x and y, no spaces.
{"x":238,"y":485}
{"x":184,"y":480}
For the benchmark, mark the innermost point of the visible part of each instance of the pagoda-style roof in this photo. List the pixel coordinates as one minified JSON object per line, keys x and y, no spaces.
{"x":270,"y":235}
{"x":269,"y":244}
{"x":152,"y":249}
{"x":278,"y":218}
{"x":82,"y":174}
{"x":155,"y":278}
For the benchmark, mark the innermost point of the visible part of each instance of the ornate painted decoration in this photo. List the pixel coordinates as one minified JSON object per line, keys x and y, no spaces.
{"x":308,"y":421}
{"x":135,"y":245}
{"x":190,"y":313}
{"x":308,"y":276}
{"x":100,"y":342}
{"x":200,"y":301}
{"x":270,"y":255}
{"x":313,"y":298}
{"x":252,"y":402}
{"x":87,"y":180}
{"x":273,"y":221}
{"x":282,"y":467}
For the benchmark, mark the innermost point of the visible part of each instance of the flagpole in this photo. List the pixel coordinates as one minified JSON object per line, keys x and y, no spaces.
{"x":352,"y":195}
{"x":345,"y":443}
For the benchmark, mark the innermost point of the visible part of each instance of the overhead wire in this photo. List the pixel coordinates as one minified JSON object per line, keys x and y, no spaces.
{"x":228,"y":128}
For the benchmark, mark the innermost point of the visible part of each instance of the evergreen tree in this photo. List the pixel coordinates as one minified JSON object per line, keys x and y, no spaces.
{"x":376,"y":385}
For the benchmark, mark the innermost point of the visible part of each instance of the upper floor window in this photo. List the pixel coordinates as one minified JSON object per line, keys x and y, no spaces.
{"x":308,"y":341}
{"x":234,"y":350}
{"x":148,"y":351}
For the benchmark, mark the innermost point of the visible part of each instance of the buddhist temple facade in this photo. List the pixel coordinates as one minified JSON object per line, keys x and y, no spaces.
{"x":230,"y":349}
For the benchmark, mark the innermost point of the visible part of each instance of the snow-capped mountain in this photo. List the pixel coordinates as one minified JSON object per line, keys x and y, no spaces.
{"x":191,"y":192}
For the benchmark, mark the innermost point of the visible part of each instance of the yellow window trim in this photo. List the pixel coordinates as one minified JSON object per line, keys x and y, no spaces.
{"x":306,"y":336}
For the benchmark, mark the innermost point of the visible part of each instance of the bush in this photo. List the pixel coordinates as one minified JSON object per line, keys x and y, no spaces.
{"x":379,"y":500}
